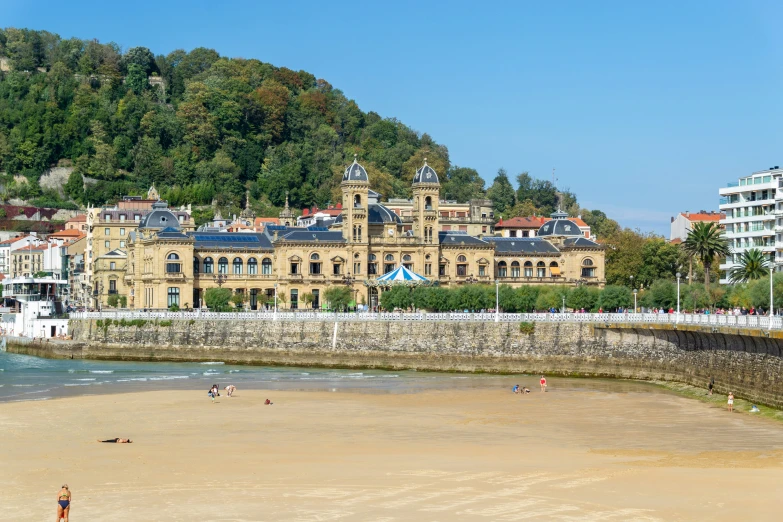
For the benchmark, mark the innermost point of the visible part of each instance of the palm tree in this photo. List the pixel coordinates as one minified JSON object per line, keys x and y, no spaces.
{"x":753,"y":265}
{"x":705,"y":241}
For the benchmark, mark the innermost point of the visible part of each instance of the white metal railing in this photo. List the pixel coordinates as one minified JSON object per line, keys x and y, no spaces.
{"x":743,"y":321}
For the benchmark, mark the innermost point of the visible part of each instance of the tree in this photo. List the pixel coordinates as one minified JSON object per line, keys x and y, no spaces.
{"x":501,"y":193}
{"x":113,"y":300}
{"x":583,"y":297}
{"x":396,"y":297}
{"x":338,"y":297}
{"x":462,"y":184}
{"x":705,"y":241}
{"x":753,"y":265}
{"x":238,"y":299}
{"x":136,"y":79}
{"x":661,"y":294}
{"x":614,"y":297}
{"x":624,"y":257}
{"x":217,"y":299}
{"x":142,"y":58}
{"x":308,"y":299}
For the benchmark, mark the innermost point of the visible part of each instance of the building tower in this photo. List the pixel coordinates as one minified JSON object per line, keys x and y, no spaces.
{"x":426,"y":194}
{"x":286,"y":215}
{"x":355,"y":187}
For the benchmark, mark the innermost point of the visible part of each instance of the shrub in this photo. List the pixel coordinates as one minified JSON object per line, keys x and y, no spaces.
{"x":165,"y":323}
{"x":527,"y":328}
{"x":113,"y":300}
{"x":174,"y":308}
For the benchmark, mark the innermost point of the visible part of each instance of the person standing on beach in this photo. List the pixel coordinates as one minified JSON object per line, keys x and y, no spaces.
{"x":712,"y":384}
{"x":731,"y":402}
{"x":543,"y":383}
{"x":63,"y":503}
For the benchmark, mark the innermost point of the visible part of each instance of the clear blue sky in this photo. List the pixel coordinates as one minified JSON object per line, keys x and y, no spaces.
{"x":644,"y":108}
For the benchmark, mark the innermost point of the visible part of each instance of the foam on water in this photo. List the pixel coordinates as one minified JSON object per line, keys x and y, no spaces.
{"x":101,"y":371}
{"x":213,"y":362}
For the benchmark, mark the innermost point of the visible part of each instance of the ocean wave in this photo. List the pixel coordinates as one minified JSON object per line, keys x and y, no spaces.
{"x":87,"y":379}
{"x":234,"y":371}
{"x":304,"y":373}
{"x":213,"y":362}
{"x":22,"y":385}
{"x":77,"y":384}
{"x":133,"y":379}
{"x":30,"y":400}
{"x":211,"y":372}
{"x":101,"y":371}
{"x":169,"y":377}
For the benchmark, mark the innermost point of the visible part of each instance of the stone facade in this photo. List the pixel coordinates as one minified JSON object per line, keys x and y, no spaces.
{"x":166,"y":265}
{"x":747,"y":362}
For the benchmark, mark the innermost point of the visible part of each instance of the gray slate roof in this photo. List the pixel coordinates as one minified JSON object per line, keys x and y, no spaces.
{"x":355,"y":172}
{"x":559,"y":227}
{"x":524,"y":245}
{"x":312,"y":235}
{"x":425,"y":174}
{"x":580,"y":242}
{"x":454,"y":238}
{"x":160,"y":217}
{"x":257,"y":241}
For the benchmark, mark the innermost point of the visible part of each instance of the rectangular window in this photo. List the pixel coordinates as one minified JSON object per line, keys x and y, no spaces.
{"x":106,"y":231}
{"x":514,"y":271}
{"x":112,"y":266}
{"x":357,"y":268}
{"x":266,"y":267}
{"x":483,"y":230}
{"x":372,"y":268}
{"x":122,"y":244}
{"x":107,"y":217}
{"x":427,"y":269}
{"x":122,"y":231}
{"x":528,"y":271}
{"x":463,"y":228}
{"x":122,"y":218}
{"x":252,"y":268}
{"x":294,"y":269}
{"x":442,"y":270}
{"x":446,"y":228}
{"x":336,"y":269}
{"x":107,"y":244}
{"x":315,"y":268}
{"x":316,"y":299}
{"x":462,"y":270}
{"x":112,"y":286}
{"x":173,"y":296}
{"x":136,"y":217}
{"x":482,"y":270}
{"x":388,"y":267}
{"x":512,"y":233}
{"x":294,"y":299}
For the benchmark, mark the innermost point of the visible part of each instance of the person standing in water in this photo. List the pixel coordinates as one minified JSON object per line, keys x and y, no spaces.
{"x":63,"y":503}
{"x":543,"y":383}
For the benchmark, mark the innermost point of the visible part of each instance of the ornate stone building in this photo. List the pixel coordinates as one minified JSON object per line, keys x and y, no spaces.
{"x":167,"y":263}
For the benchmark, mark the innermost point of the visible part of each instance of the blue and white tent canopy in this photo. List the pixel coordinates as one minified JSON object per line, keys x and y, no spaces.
{"x":399,"y":276}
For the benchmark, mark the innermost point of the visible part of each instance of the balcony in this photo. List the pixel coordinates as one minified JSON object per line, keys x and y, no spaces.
{"x":394,"y":240}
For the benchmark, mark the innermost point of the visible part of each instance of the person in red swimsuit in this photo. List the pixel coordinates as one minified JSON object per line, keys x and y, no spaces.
{"x":543,"y":383}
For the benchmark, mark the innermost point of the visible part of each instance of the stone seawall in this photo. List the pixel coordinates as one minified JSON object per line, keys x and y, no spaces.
{"x":747,"y":362}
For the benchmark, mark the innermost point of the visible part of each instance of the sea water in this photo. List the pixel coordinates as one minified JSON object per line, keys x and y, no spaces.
{"x":27,"y":378}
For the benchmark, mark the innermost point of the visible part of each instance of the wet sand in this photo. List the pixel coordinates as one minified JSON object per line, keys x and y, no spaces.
{"x":572,"y":455}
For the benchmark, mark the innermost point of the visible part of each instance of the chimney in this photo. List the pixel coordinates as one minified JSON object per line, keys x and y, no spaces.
{"x":305,"y":211}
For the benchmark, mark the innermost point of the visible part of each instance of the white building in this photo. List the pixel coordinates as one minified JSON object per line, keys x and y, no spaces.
{"x":33,"y":305}
{"x":11,"y":244}
{"x":754,"y":217}
{"x":683,"y":222}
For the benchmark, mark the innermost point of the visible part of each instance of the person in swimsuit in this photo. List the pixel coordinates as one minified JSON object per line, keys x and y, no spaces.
{"x":230,"y":389}
{"x":731,"y":402}
{"x":118,"y":441}
{"x":63,"y":503}
{"x":543,"y":383}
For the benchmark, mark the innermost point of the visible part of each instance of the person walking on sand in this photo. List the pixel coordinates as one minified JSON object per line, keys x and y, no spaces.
{"x":712,"y":384}
{"x":543,"y":383}
{"x":63,"y":503}
{"x":731,"y":402}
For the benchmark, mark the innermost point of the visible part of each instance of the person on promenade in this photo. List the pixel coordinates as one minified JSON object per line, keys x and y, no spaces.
{"x":731,"y":402}
{"x":712,"y":384}
{"x":118,"y":441}
{"x":543,"y":383}
{"x":230,"y":389}
{"x":63,"y":503}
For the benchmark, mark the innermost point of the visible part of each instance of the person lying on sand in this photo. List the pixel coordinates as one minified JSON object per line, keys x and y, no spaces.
{"x":118,"y":441}
{"x":268,"y":402}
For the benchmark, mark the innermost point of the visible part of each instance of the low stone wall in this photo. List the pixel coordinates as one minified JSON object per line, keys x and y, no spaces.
{"x":747,"y":362}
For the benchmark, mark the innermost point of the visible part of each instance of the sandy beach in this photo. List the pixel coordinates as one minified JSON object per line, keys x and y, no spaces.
{"x":434,"y":455}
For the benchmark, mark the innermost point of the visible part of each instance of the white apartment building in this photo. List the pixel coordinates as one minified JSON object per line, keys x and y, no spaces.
{"x":754,"y":217}
{"x":14,"y":243}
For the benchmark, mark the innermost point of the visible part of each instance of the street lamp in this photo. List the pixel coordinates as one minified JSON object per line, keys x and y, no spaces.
{"x":497,"y":301}
{"x":635,"y":291}
{"x":220,"y":279}
{"x":349,"y":281}
{"x":678,"y":297}
{"x":470,"y":279}
{"x":562,"y":310}
{"x":771,"y":305}
{"x":275,"y":302}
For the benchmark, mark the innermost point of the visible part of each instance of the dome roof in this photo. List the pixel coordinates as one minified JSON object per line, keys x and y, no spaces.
{"x":378,"y":214}
{"x":560,"y":227}
{"x":160,"y":217}
{"x":425,"y":174}
{"x":355,"y":172}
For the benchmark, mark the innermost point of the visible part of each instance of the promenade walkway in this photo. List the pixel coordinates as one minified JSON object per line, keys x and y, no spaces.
{"x":740,"y":321}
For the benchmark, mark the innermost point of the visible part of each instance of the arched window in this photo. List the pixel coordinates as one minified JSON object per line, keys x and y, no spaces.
{"x":388,"y":257}
{"x":357,"y":201}
{"x":528,"y":269}
{"x":540,"y":269}
{"x":515,"y":269}
{"x":406,"y":258}
{"x":428,"y":203}
{"x":588,"y":270}
{"x":208,"y":265}
{"x":252,"y":266}
{"x":315,"y":264}
{"x":502,"y":269}
{"x":195,"y":265}
{"x":266,"y":266}
{"x":554,"y":269}
{"x":371,"y":257}
{"x":222,"y":265}
{"x":173,"y":266}
{"x":237,"y":266}
{"x":462,"y":259}
{"x":462,"y":266}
